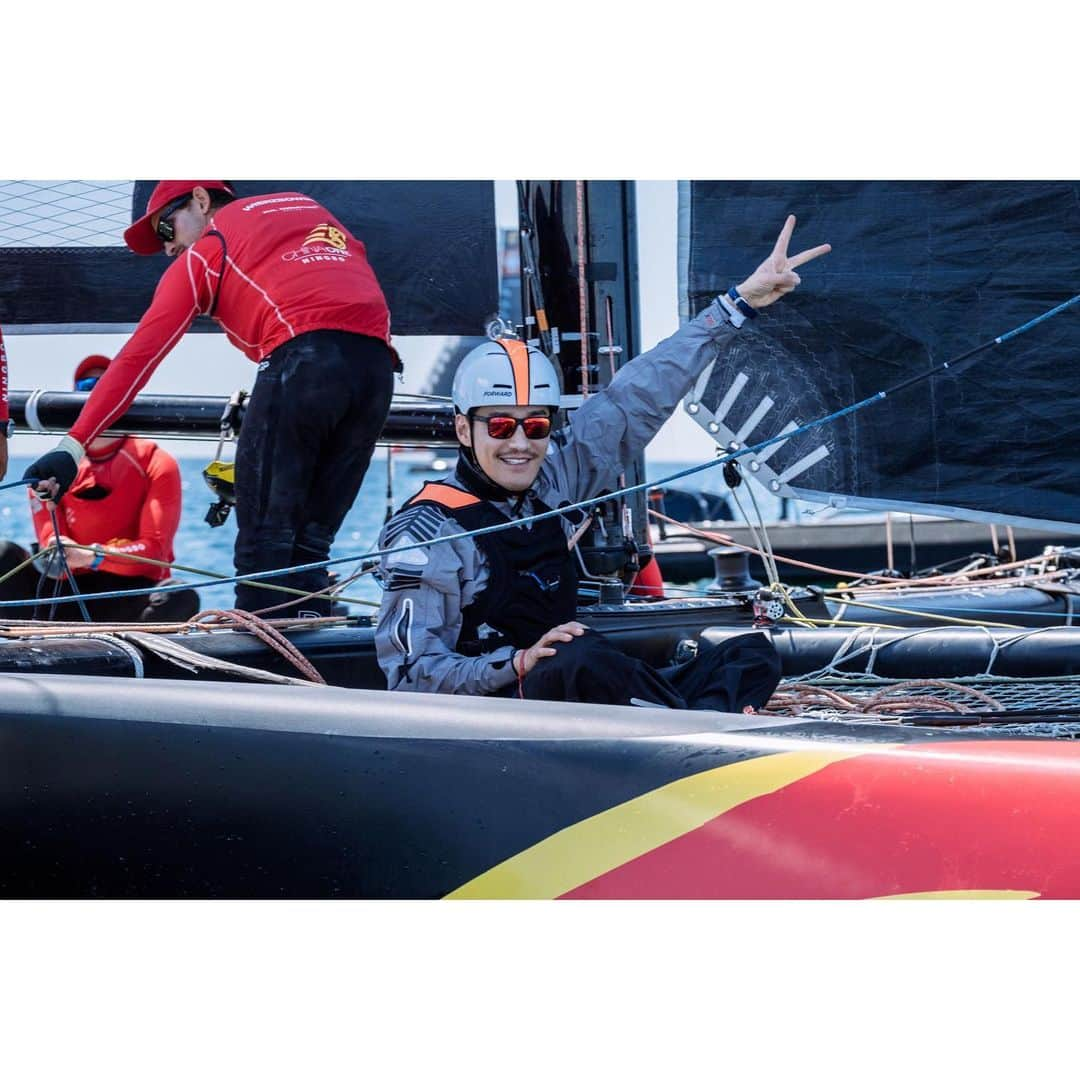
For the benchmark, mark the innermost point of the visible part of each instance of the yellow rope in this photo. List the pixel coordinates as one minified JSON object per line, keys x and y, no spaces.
{"x":952,"y":619}
{"x":26,"y":562}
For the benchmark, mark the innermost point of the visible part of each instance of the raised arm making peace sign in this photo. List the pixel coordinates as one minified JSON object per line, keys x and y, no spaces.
{"x":523,"y":583}
{"x":776,"y":275}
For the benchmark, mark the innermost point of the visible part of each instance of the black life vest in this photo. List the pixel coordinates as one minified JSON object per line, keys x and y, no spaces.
{"x":533,"y":583}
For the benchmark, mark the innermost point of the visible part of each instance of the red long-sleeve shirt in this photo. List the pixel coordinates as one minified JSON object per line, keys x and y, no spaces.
{"x":3,"y":382}
{"x":283,"y":265}
{"x":127,"y":497}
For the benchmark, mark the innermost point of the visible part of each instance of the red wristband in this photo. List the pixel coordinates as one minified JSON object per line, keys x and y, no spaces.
{"x":520,"y":673}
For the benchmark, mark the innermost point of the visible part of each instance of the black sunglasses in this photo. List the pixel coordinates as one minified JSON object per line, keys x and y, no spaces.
{"x":503,"y":427}
{"x":165,"y":231}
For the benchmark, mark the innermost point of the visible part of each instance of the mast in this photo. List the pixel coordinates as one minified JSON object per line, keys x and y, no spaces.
{"x":580,"y":239}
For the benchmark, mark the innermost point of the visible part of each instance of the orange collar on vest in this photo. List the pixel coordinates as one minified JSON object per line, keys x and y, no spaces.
{"x":451,"y":497}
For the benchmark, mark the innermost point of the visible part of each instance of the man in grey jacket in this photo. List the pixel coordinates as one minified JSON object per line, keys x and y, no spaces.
{"x":522,"y":581}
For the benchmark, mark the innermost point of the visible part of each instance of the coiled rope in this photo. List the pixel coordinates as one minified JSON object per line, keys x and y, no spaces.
{"x":234,"y":618}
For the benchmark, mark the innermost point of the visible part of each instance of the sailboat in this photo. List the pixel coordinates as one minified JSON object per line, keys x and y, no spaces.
{"x":834,"y":544}
{"x":194,"y":782}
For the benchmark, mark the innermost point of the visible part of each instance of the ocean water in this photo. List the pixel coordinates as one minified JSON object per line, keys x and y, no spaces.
{"x":201,"y":547}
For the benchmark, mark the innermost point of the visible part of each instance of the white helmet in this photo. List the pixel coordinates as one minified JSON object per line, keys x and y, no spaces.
{"x":505,"y":372}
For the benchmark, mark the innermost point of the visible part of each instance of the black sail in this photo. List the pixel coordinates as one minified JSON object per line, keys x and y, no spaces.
{"x":431,"y":243}
{"x":920,"y":272}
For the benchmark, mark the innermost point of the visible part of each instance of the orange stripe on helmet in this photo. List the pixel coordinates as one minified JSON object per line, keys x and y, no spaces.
{"x":519,"y":363}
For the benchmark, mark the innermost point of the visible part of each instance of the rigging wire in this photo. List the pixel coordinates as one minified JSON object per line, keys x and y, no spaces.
{"x":532,"y":290}
{"x":217,"y":579}
{"x":762,"y":550}
{"x":583,"y":302}
{"x":733,"y":455}
{"x":68,"y":573}
{"x":724,"y":538}
{"x":844,"y":599}
{"x":878,"y":582}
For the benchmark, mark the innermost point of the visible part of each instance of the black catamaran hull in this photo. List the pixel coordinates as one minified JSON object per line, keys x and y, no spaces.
{"x":345,"y":655}
{"x":204,"y":790}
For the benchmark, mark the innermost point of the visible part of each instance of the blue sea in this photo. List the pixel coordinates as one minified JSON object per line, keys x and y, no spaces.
{"x":205,"y":548}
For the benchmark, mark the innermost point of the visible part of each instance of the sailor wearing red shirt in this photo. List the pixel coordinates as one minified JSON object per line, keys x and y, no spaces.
{"x":291,"y":288}
{"x":6,"y":425}
{"x":125,"y":500}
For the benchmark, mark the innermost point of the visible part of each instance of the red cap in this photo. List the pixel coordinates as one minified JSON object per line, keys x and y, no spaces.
{"x":91,"y":362}
{"x":140,"y":237}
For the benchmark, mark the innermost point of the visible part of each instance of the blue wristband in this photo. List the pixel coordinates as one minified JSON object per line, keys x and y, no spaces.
{"x":99,"y":558}
{"x":734,"y":315}
{"x":741,"y":304}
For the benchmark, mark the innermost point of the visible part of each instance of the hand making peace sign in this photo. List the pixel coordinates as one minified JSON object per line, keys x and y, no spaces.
{"x":776,"y":275}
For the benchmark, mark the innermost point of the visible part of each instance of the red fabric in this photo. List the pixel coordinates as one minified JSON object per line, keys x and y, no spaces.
{"x":648,"y":581}
{"x":292,"y":268}
{"x":90,"y":363}
{"x":139,"y":514}
{"x":3,"y":382}
{"x":139,"y":236}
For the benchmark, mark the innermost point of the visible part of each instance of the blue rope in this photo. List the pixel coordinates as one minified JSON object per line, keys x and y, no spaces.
{"x":1035,"y":322}
{"x":519,"y":522}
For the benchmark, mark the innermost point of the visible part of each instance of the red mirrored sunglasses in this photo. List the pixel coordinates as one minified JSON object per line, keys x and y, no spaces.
{"x":503,"y":427}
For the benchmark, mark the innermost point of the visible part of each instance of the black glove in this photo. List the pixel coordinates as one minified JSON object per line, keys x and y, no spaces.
{"x":58,"y":464}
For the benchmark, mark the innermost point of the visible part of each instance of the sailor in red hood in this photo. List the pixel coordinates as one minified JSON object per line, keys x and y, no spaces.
{"x":293,"y":290}
{"x":123,"y":507}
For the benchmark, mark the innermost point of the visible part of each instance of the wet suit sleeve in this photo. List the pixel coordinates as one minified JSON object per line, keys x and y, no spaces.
{"x":158,"y":520}
{"x":185,"y":290}
{"x":421,"y":616}
{"x":615,"y":425}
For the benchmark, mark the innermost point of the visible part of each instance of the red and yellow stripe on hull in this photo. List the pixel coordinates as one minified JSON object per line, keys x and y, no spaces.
{"x":950,"y":819}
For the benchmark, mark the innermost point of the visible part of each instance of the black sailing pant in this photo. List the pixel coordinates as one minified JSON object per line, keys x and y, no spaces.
{"x":740,"y":671}
{"x":319,"y":403}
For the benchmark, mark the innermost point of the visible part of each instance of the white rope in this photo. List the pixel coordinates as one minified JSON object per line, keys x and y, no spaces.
{"x":133,"y":654}
{"x":33,"y":421}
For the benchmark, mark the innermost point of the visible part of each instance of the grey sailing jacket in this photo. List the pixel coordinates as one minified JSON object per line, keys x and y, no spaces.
{"x":426,"y":589}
